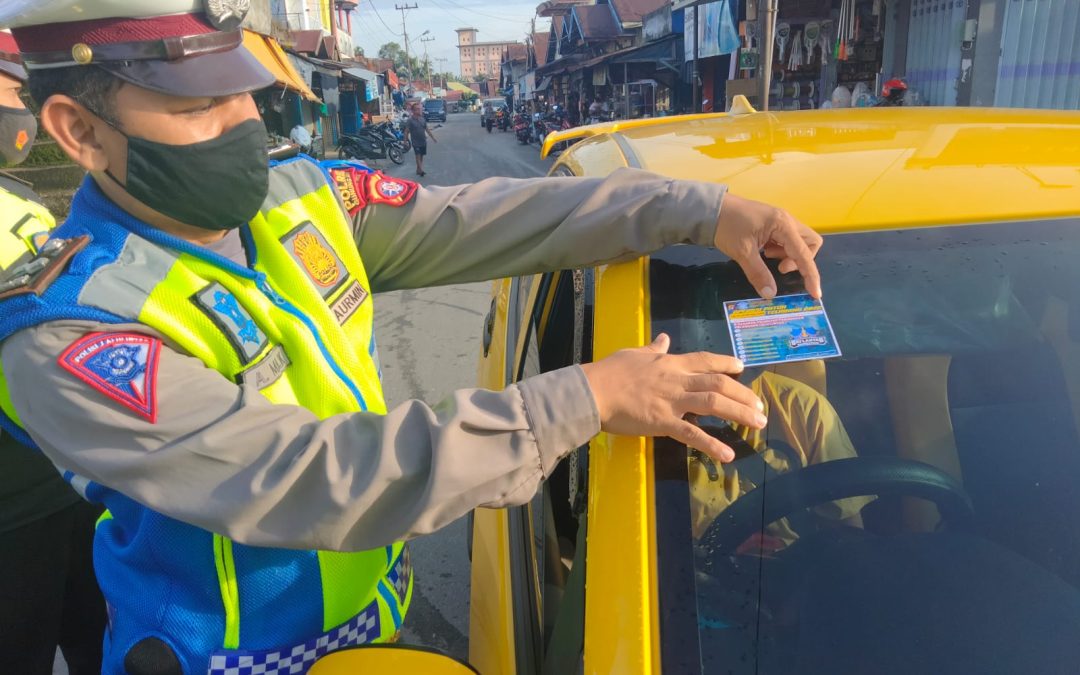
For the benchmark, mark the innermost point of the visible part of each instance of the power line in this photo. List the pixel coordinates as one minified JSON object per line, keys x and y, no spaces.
{"x":379,"y":16}
{"x":476,"y":11}
{"x":380,"y":34}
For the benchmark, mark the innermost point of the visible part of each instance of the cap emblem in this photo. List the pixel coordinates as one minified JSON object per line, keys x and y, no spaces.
{"x":82,"y":54}
{"x":226,"y":15}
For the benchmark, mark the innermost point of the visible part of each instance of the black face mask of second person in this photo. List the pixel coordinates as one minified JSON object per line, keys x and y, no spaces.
{"x":218,"y":184}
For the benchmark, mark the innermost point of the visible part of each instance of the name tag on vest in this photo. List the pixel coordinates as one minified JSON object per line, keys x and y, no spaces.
{"x":348,"y":302}
{"x":268,"y":370}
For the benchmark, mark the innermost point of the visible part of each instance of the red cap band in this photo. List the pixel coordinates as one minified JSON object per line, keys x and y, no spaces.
{"x":59,"y":37}
{"x":7,"y":44}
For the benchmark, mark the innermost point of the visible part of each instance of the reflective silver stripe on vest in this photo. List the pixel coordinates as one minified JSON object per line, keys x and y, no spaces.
{"x":124,"y":285}
{"x":291,"y":180}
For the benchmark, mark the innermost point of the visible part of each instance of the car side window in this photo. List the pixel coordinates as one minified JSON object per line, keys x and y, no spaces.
{"x":557,"y":333}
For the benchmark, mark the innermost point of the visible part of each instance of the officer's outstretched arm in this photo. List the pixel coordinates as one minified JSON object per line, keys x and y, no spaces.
{"x":220,"y":456}
{"x":504,"y":227}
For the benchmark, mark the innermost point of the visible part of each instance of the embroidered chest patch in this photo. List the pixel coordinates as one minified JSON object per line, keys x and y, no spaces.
{"x":229,"y":315}
{"x":309,"y":249}
{"x":122,"y":366}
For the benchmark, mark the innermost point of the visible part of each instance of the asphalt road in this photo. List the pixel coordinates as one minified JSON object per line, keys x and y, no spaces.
{"x":428,"y":343}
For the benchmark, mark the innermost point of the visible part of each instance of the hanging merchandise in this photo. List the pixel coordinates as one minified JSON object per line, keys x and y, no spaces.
{"x":811,"y":35}
{"x":796,"y":59}
{"x":783,"y":34}
{"x":825,"y":41}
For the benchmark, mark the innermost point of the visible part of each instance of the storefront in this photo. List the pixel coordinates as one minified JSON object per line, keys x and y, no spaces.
{"x":820,"y":45}
{"x":643,"y":81}
{"x":359,"y":95}
{"x":290,"y":101}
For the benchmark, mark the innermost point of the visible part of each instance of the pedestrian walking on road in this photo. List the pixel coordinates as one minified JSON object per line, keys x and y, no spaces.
{"x":198,"y":354}
{"x":418,"y":133}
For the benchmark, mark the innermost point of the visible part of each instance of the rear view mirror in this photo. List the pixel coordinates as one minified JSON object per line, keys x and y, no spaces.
{"x":390,"y":658}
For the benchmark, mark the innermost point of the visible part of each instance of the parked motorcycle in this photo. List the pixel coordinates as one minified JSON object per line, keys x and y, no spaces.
{"x":367,"y":146}
{"x":388,"y":133}
{"x":522,"y":129}
{"x":538,"y":128}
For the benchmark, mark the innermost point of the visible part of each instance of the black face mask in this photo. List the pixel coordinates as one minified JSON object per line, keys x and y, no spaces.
{"x":18,"y":129}
{"x":218,"y":184}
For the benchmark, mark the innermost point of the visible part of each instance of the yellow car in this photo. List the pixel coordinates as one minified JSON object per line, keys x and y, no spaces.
{"x":912,"y":506}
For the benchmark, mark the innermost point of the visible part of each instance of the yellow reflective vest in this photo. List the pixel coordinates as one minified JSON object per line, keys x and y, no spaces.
{"x":297,"y":324}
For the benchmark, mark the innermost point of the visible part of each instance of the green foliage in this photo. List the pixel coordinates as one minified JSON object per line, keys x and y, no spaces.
{"x":414,"y":68}
{"x":45,"y":153}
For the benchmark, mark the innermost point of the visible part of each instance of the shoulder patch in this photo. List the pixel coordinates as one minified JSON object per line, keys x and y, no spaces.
{"x":345,"y":180}
{"x":35,"y":275}
{"x":381,"y":189}
{"x":122,"y":366}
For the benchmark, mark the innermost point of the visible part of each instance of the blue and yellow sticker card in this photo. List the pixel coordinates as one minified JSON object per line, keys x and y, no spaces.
{"x":784,"y":329}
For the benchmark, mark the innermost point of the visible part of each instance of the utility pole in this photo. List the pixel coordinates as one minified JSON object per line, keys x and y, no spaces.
{"x":427,"y":63}
{"x":405,"y":33}
{"x":441,"y":60}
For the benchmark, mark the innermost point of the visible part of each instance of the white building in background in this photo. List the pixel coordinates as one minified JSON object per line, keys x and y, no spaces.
{"x":479,"y":58}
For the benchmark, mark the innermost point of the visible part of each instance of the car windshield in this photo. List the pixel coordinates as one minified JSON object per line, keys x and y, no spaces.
{"x":432,"y":105}
{"x":912,"y":506}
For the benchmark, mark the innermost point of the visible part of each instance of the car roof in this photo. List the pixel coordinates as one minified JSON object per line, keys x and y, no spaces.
{"x":870,"y":168}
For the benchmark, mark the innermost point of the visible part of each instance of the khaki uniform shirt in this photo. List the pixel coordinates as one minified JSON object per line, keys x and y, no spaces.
{"x":222,"y":457}
{"x":808,"y":424}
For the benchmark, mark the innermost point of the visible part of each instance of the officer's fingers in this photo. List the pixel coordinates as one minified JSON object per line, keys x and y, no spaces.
{"x":711,"y":403}
{"x":707,"y":362}
{"x":800,"y":244}
{"x":725,"y":386}
{"x":661,"y":344}
{"x":694,"y":437}
{"x":758,"y":274}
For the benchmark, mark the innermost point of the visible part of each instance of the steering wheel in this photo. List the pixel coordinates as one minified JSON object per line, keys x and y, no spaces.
{"x":839,"y":479}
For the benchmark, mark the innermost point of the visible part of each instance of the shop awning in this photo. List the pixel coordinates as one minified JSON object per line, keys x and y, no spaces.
{"x":662,"y":50}
{"x":370,"y":79}
{"x":270,"y":54}
{"x":362,"y":74}
{"x":544,"y":84}
{"x":457,"y":86}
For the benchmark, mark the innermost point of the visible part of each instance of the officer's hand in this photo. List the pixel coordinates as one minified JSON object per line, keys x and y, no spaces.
{"x":648,"y":392}
{"x":746,"y":227}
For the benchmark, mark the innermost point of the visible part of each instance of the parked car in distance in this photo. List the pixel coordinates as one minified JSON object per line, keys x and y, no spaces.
{"x":435,"y":110}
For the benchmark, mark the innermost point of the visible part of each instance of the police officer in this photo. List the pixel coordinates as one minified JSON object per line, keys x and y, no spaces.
{"x":48,"y":594}
{"x":200,"y":346}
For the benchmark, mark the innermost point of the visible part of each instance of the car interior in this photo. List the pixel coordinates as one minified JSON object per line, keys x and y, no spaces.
{"x":958,"y":387}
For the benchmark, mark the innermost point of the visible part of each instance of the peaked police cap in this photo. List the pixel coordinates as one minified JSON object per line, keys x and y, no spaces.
{"x":180,"y":47}
{"x":10,"y":60}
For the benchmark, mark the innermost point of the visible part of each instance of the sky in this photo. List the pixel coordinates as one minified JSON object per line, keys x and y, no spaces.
{"x":376,"y":22}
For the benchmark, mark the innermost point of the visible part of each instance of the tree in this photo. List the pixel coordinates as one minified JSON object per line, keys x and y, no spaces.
{"x":358,"y":51}
{"x":394,"y":52}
